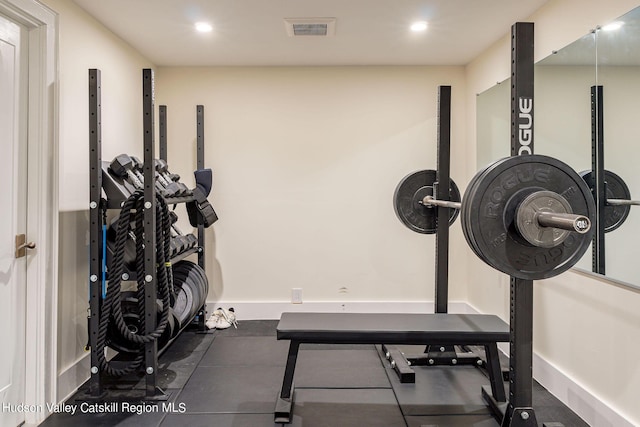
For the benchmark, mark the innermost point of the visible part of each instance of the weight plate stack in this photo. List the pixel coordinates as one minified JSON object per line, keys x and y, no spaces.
{"x":192,"y":285}
{"x":407,"y":201}
{"x":131,"y":316}
{"x":615,"y":188}
{"x":490,"y":205}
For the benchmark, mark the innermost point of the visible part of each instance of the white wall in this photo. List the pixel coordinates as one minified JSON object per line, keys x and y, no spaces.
{"x":574,"y":314}
{"x":305,"y":162}
{"x":84,"y":44}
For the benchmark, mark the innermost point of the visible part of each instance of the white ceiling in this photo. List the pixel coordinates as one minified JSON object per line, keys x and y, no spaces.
{"x":252,"y":32}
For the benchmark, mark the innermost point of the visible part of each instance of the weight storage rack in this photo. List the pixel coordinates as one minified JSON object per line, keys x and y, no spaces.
{"x":102,"y":184}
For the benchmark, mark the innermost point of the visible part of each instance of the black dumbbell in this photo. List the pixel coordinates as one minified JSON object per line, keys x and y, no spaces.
{"x":180,"y":243}
{"x":168,"y":180}
{"x":192,"y":241}
{"x":122,"y":166}
{"x":138,"y":170}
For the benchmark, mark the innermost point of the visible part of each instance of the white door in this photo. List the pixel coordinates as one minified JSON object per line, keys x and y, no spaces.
{"x":13,"y":175}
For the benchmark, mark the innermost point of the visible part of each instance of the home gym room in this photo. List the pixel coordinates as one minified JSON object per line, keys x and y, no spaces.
{"x":299,"y":274}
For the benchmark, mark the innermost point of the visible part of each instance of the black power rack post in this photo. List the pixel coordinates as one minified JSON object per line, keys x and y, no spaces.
{"x":98,"y":252}
{"x":518,"y":411}
{"x":97,"y":207}
{"x":597,"y":166}
{"x":200,"y":165}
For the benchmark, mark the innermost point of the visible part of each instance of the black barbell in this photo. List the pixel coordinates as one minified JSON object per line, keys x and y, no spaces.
{"x":527,"y":216}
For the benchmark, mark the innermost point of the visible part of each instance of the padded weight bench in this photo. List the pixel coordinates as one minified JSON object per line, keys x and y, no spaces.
{"x":366,"y":328}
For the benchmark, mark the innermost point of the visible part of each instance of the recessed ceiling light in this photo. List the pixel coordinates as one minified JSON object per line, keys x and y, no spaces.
{"x":419,"y":26}
{"x":613,"y":26}
{"x":203,"y":27}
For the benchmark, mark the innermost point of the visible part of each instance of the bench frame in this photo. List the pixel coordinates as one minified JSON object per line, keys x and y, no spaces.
{"x":438,"y":328}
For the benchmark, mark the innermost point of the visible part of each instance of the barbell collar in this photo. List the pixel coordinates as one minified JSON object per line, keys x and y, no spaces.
{"x":564,"y":221}
{"x":622,"y":202}
{"x":430,"y":201}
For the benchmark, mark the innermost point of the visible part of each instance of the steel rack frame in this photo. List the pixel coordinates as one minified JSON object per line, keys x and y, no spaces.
{"x":98,"y":204}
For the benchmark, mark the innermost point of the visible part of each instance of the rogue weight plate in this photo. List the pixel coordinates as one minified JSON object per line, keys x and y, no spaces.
{"x":490,"y":207}
{"x":466,"y":212}
{"x":615,"y":188}
{"x":407,"y":200}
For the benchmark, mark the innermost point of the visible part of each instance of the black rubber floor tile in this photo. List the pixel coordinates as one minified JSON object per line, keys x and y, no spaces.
{"x":337,"y":346}
{"x":346,"y":408}
{"x":442,"y":390}
{"x":219,"y":420}
{"x":452,"y":421}
{"x":340,"y":369}
{"x":250,"y":328}
{"x":232,"y":389}
{"x":246,"y":351}
{"x":120,"y":414}
{"x":549,"y":409}
{"x":187,"y":342}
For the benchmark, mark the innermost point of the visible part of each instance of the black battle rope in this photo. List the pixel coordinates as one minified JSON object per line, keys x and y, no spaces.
{"x":111,"y":310}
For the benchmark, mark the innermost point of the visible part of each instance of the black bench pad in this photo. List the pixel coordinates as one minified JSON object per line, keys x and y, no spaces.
{"x":386,"y":328}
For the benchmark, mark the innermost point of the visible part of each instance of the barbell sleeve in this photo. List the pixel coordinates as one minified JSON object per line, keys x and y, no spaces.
{"x":622,"y":202}
{"x":564,"y":221}
{"x":430,"y":201}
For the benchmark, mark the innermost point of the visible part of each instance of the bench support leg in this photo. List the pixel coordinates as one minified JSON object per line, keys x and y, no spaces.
{"x":495,"y":373}
{"x":284,"y":403}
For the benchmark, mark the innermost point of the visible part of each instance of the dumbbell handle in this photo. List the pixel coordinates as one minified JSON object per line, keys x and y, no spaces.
{"x":622,"y":202}
{"x":563,"y":221}
{"x":430,"y":201}
{"x":134,"y":179}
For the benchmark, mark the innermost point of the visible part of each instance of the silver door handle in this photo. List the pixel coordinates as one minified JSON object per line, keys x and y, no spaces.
{"x":30,"y":245}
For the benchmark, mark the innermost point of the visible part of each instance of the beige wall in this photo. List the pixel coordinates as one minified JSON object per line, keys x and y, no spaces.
{"x":305,"y":162}
{"x":84,"y":44}
{"x":574,"y":314}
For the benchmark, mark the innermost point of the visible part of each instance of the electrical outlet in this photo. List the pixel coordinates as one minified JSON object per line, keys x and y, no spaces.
{"x":296,"y":296}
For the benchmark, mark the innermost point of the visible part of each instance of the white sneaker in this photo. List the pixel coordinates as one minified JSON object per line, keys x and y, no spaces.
{"x":231,"y":316}
{"x":211,"y":321}
{"x":222,"y":319}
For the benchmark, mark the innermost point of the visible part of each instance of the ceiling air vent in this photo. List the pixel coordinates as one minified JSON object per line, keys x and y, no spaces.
{"x":297,"y":27}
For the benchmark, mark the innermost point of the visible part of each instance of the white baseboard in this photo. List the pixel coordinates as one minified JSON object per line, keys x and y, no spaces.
{"x":73,"y":377}
{"x":592,"y":410}
{"x":272,"y":310}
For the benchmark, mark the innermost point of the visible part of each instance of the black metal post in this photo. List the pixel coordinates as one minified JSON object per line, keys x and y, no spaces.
{"x":95,"y":228}
{"x":519,"y":411}
{"x":151,"y":348}
{"x":597,"y":166}
{"x":200,"y":165}
{"x":162,"y":130}
{"x":441,"y":192}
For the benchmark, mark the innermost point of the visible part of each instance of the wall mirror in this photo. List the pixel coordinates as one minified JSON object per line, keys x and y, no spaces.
{"x":618,"y":79}
{"x":609,"y":57}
